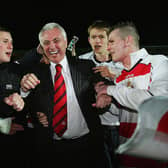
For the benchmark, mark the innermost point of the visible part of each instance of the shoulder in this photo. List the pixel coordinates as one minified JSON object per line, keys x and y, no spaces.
{"x":80,"y":62}
{"x":157,"y":60}
{"x":39,"y":67}
{"x":30,"y":57}
{"x":81,"y":66}
{"x":87,"y":55}
{"x":14,"y":67}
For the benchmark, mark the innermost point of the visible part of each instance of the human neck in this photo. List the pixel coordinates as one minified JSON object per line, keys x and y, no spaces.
{"x":102,"y":57}
{"x":127,"y":59}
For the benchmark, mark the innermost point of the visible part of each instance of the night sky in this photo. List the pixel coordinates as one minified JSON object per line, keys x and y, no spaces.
{"x":26,"y":20}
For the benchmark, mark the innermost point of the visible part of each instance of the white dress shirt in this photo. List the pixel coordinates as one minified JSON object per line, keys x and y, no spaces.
{"x":76,"y":123}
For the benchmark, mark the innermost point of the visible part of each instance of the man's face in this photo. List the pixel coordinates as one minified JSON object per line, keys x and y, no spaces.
{"x":98,"y":40}
{"x":6,"y":46}
{"x":116,"y":46}
{"x":54,"y":44}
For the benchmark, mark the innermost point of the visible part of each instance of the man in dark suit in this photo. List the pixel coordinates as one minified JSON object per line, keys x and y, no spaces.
{"x":81,"y":145}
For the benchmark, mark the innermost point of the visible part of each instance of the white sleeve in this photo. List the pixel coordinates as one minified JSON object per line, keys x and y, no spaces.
{"x":5,"y":125}
{"x":24,"y":94}
{"x":132,"y":97}
{"x":159,"y":86}
{"x":128,"y":97}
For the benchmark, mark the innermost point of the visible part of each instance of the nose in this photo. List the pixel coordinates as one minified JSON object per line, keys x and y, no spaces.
{"x":10,"y":45}
{"x":108,"y":47}
{"x":97,"y":39}
{"x":52,"y":45}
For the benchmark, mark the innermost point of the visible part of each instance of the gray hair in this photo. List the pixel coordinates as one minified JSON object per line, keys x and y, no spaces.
{"x":50,"y":26}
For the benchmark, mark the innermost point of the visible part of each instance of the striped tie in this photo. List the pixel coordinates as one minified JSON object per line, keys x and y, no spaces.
{"x":60,"y":103}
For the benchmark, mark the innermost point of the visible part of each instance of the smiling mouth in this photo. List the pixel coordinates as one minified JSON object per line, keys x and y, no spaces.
{"x":53,"y":52}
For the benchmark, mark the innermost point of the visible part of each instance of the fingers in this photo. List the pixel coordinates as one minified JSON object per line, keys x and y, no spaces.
{"x":18,"y":102}
{"x":29,"y":81}
{"x":98,"y":69}
{"x":44,"y":59}
{"x":104,"y":71}
{"x":40,"y":49}
{"x":102,"y":101}
{"x":15,"y":100}
{"x":98,"y":85}
{"x":42,"y":118}
{"x":8,"y":101}
{"x":94,"y":105}
{"x":100,"y":88}
{"x":15,"y":127}
{"x":18,"y":106}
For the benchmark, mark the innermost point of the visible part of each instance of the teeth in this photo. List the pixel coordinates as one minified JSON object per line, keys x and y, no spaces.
{"x":53,"y":52}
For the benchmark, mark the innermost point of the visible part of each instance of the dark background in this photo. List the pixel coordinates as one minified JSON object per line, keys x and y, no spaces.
{"x":26,"y":19}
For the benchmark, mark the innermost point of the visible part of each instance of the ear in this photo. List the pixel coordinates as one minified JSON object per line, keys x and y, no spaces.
{"x":128,"y":40}
{"x":40,"y":49}
{"x":66,"y":43}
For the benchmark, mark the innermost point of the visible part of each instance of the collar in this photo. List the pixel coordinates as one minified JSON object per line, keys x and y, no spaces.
{"x":98,"y":62}
{"x":138,"y":55}
{"x":63,"y":62}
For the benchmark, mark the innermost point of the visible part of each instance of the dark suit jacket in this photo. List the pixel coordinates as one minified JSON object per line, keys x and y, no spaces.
{"x":41,"y":98}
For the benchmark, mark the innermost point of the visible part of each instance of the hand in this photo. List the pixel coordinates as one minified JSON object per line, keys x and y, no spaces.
{"x":102,"y":101}
{"x":15,"y":127}
{"x":73,"y":52}
{"x":15,"y":100}
{"x":44,"y":59}
{"x":40,"y":49}
{"x":29,"y":81}
{"x":104,"y":71}
{"x":101,"y":88}
{"x":42,"y":118}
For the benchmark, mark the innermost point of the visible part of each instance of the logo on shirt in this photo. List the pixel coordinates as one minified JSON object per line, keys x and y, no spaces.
{"x":9,"y":86}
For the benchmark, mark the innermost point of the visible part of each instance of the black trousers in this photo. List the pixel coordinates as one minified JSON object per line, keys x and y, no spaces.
{"x":13,"y":150}
{"x":81,"y":152}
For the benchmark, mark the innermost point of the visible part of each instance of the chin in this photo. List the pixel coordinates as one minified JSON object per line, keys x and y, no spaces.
{"x":7,"y":60}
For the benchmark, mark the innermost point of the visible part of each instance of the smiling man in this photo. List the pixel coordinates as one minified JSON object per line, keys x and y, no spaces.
{"x":77,"y":137}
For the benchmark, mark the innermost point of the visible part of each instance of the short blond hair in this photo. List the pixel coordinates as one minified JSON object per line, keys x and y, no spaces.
{"x":125,"y":29}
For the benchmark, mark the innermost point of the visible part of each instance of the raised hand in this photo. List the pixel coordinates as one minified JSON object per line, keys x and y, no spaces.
{"x":29,"y":81}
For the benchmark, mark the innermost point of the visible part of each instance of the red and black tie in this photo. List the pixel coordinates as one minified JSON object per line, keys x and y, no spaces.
{"x":60,"y":103}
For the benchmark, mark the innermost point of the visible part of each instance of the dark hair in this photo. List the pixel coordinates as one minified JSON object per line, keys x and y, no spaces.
{"x":4,"y":29}
{"x":100,"y":24}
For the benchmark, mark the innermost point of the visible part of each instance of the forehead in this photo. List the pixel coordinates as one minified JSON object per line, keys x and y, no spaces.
{"x":114,"y":34}
{"x":52,"y":34}
{"x":96,"y":31}
{"x":5,"y":35}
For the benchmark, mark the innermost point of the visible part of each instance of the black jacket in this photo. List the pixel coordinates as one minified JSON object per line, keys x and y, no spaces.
{"x":10,"y":76}
{"x":41,"y":98}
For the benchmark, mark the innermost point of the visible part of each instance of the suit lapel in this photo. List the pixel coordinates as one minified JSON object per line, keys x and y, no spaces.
{"x":75,"y":76}
{"x":48,"y":88}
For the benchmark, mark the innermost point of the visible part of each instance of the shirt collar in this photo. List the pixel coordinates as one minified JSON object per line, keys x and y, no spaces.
{"x":63,"y":62}
{"x":136,"y":56}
